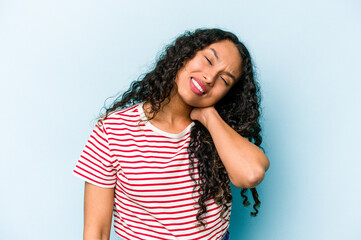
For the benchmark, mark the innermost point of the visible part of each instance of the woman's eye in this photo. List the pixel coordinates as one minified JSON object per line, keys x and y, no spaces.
{"x":224,"y":80}
{"x":209,"y":61}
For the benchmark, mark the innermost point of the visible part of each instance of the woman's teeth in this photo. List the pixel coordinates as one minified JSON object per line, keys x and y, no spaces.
{"x":197,"y":86}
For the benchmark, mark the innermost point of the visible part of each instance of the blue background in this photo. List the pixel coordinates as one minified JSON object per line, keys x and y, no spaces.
{"x":60,"y":60}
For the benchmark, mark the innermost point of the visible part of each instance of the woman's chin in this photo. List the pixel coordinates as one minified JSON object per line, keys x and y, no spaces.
{"x":195,"y":104}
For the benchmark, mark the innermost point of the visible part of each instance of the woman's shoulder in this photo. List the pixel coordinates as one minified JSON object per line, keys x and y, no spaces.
{"x":124,"y":115}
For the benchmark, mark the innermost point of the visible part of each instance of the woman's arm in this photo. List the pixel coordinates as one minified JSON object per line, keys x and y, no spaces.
{"x":98,"y":210}
{"x":245,"y":163}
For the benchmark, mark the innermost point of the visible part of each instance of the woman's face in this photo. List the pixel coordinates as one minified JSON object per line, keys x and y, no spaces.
{"x":209,"y":75}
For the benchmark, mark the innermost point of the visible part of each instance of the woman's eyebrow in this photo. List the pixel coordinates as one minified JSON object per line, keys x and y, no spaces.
{"x":216,"y":55}
{"x":231,"y":76}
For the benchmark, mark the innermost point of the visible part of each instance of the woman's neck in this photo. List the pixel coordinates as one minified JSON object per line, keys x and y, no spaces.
{"x":172,"y":117}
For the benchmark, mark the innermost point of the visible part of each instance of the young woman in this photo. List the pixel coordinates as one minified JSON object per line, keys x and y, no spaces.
{"x":162,"y":157}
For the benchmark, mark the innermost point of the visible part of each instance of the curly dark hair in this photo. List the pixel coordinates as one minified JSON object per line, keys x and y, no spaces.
{"x":239,"y":109}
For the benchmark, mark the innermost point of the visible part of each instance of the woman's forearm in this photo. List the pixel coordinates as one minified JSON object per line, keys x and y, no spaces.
{"x":245,"y":162}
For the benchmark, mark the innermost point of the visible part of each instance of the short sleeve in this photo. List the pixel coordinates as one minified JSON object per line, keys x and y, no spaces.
{"x":95,"y":164}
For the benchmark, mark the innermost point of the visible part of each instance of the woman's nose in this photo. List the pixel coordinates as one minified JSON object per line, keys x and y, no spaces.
{"x":209,"y":78}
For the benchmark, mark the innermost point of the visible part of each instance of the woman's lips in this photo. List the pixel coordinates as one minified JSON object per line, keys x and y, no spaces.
{"x":197,"y":86}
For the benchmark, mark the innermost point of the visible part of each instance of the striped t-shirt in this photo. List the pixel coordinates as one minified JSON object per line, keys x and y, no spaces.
{"x":149,"y":169}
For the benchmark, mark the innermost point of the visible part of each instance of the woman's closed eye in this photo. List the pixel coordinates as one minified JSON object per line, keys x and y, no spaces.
{"x":225,"y":81}
{"x":209,"y":61}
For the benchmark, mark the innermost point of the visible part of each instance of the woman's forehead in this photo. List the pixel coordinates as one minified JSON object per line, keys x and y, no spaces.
{"x":226,"y":53}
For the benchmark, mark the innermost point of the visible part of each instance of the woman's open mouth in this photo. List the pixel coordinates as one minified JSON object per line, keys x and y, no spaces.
{"x":197,"y":86}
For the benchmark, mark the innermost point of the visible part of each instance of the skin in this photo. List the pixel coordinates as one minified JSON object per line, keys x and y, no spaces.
{"x":98,"y":210}
{"x":213,"y":72}
{"x":245,"y":162}
{"x":218,"y":66}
